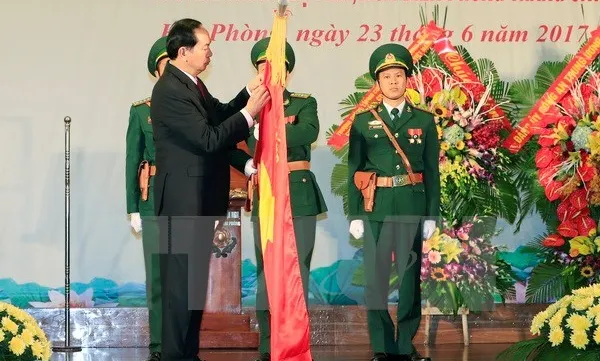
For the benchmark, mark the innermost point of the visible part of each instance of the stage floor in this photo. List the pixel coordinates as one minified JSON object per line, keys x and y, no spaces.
{"x":452,"y":352}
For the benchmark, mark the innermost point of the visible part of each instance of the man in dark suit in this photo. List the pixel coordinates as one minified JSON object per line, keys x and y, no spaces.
{"x":195,"y":137}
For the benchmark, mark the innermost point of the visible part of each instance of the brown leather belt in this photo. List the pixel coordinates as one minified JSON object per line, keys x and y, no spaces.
{"x":253,"y":181}
{"x":399,"y":180}
{"x":299,"y":165}
{"x":152,"y":170}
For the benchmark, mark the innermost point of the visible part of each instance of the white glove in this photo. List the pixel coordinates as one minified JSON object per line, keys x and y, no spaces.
{"x":249,"y":168}
{"x":136,"y":222}
{"x":256,"y":131}
{"x":428,"y":229}
{"x":357,"y":228}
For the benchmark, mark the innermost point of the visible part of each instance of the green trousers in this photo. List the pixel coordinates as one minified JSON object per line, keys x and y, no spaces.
{"x":304,"y":229}
{"x":381,"y":239}
{"x":150,"y":243}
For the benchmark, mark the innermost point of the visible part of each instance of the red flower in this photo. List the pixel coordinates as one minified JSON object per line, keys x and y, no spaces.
{"x":579,"y":199}
{"x":553,"y":240}
{"x":546,"y":138}
{"x":432,"y":81}
{"x":585,"y":225}
{"x":545,"y":156}
{"x":568,"y":229}
{"x":552,"y":190}
{"x":586,"y":172}
{"x":488,"y":134}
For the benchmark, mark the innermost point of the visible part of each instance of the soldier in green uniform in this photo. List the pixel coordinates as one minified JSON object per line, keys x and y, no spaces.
{"x":140,"y":205}
{"x":302,"y":129}
{"x":394,"y":201}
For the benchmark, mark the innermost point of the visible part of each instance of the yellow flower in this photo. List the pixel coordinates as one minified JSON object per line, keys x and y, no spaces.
{"x":1,"y":335}
{"x":441,"y":111}
{"x":413,"y":96}
{"x":438,"y":274}
{"x":579,"y":323}
{"x":37,"y":349}
{"x":460,"y":145}
{"x":593,"y":312}
{"x":581,"y":244}
{"x":17,"y":346}
{"x":594,"y":142}
{"x":9,"y":325}
{"x":538,"y":322}
{"x":445,"y":146}
{"x":557,"y":319}
{"x":587,"y":271}
{"x":579,"y":340}
{"x":458,"y":96}
{"x":597,"y":336}
{"x":452,"y":250}
{"x":436,"y":240}
{"x":556,"y":336}
{"x":468,"y":136}
{"x":582,"y":303}
{"x":560,"y":133}
{"x":27,"y":336}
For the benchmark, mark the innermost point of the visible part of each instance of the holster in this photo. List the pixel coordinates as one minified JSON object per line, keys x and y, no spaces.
{"x":366,"y":182}
{"x":144,"y":179}
{"x":252,"y":187}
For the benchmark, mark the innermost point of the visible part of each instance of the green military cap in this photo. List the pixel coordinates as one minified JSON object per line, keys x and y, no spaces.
{"x":157,"y":53}
{"x":390,"y":55}
{"x":259,"y":53}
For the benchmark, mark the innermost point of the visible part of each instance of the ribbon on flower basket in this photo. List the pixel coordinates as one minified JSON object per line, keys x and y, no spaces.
{"x":428,"y":34}
{"x":559,"y":88}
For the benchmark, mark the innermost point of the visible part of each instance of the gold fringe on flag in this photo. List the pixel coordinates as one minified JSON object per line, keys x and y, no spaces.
{"x":276,"y":49}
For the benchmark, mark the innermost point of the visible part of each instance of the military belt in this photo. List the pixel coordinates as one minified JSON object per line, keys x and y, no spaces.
{"x":399,"y":180}
{"x":299,"y":165}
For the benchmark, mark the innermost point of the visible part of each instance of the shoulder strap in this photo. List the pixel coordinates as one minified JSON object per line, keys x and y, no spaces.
{"x":397,"y":146}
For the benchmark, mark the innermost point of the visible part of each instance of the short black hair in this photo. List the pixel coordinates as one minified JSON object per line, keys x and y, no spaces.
{"x":180,"y":35}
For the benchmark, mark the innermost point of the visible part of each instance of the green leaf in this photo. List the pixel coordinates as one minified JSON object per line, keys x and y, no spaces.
{"x":546,"y":283}
{"x":339,"y":179}
{"x":364,"y":82}
{"x":521,"y":351}
{"x":547,"y":74}
{"x":350,"y":102}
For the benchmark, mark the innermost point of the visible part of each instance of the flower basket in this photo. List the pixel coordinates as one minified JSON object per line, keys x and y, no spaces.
{"x":460,"y":269}
{"x":567,"y":330}
{"x":21,"y":339}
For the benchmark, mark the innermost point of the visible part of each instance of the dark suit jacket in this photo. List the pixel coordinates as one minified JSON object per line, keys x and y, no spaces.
{"x":195,"y":144}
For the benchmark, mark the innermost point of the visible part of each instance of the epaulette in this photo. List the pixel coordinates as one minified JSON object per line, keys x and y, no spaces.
{"x":140,"y":102}
{"x":300,"y":95}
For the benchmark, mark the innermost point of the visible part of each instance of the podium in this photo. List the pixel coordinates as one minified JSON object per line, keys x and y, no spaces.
{"x":223,"y":324}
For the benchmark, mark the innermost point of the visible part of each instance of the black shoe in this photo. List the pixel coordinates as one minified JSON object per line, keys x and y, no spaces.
{"x":154,"y":356}
{"x":264,"y":357}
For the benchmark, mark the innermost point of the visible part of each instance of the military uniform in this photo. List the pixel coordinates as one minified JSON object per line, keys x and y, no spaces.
{"x":302,"y":129}
{"x":139,"y":148}
{"x":395,"y":222}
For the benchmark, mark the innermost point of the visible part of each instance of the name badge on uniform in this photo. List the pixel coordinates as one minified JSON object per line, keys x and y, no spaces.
{"x":415,"y":135}
{"x":375,"y":124}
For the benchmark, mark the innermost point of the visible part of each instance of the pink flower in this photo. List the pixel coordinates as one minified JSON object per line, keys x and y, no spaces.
{"x":463,"y":236}
{"x":434,"y":257}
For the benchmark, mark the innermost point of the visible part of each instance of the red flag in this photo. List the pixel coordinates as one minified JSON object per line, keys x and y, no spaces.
{"x":290,"y":334}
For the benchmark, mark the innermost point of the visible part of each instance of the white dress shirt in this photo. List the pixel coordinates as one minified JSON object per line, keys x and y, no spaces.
{"x":389,"y":108}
